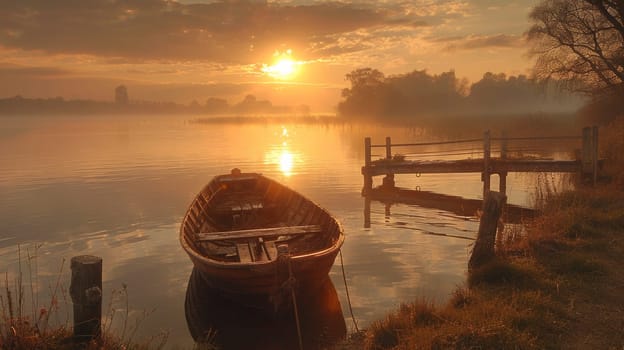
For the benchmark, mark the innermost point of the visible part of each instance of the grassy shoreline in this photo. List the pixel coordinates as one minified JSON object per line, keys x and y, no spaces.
{"x":558,"y":286}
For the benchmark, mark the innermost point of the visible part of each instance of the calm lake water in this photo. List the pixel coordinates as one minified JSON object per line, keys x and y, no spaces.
{"x":118,"y":186}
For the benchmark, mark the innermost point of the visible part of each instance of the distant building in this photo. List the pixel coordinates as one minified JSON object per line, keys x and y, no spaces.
{"x":121,"y":95}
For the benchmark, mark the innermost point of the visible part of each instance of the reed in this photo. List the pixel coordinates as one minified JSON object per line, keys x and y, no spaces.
{"x":48,"y":326}
{"x":20,"y":329}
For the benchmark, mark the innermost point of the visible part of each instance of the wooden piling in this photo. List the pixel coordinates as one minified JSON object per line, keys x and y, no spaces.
{"x":367,"y":151}
{"x":388,"y":180}
{"x":368,"y":178}
{"x":485,"y":176}
{"x":86,"y":293}
{"x":502,"y":176}
{"x":367,"y":212}
{"x":483,"y":250}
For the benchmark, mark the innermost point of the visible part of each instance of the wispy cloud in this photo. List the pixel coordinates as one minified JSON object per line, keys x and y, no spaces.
{"x":221,"y":31}
{"x":15,"y":72}
{"x":474,"y":42}
{"x":155,"y":30}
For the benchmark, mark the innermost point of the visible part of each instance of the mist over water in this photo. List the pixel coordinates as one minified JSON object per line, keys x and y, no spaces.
{"x":118,"y":186}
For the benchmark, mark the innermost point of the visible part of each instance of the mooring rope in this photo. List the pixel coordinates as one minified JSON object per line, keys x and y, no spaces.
{"x":344,"y":278}
{"x":284,"y":255}
{"x":295,"y":306}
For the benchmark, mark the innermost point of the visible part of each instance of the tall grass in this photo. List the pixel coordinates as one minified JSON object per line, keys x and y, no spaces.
{"x":47,"y":325}
{"x":611,"y":141}
{"x":20,"y":329}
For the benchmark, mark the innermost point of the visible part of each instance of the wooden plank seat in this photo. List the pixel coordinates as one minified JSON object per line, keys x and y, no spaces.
{"x":237,"y":178}
{"x":258,"y":232}
{"x":244,"y":252}
{"x":227,"y":208}
{"x":259,"y":250}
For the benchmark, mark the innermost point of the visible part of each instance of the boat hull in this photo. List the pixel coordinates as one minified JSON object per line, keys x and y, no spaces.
{"x":268,"y":280}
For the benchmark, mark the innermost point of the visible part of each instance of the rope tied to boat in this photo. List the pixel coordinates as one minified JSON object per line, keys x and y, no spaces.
{"x":289,"y":284}
{"x":344,"y":278}
{"x":283,"y":257}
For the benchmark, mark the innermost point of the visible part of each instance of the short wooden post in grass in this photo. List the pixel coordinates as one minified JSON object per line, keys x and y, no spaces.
{"x":86,"y":294}
{"x":483,"y":250}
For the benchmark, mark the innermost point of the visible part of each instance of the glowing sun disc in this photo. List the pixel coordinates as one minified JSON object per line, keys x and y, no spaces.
{"x":283,"y":68}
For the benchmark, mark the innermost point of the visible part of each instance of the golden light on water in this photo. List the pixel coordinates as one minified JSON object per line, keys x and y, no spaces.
{"x":283,"y":158}
{"x":281,"y":155}
{"x":286,"y":162}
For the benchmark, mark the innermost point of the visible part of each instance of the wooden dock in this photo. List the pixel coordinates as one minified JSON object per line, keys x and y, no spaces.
{"x":587,"y":164}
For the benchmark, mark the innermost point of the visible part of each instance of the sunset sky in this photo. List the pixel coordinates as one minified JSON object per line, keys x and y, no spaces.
{"x":289,"y":52}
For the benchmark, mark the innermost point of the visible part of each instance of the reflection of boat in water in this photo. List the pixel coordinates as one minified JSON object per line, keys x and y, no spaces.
{"x":235,"y":326}
{"x":249,"y":235}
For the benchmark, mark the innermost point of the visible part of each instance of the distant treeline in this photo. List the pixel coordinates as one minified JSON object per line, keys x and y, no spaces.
{"x":373,"y":95}
{"x":19,"y":105}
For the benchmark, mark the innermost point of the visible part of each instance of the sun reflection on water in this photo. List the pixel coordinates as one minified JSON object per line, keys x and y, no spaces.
{"x":286,"y":162}
{"x":281,"y":155}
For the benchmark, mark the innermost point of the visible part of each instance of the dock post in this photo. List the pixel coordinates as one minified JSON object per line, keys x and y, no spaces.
{"x":86,"y":294}
{"x":483,"y":250}
{"x":368,"y":179}
{"x":367,"y":212}
{"x":388,"y":180}
{"x":367,"y":151}
{"x":502,"y":176}
{"x":485,"y":176}
{"x":589,"y":155}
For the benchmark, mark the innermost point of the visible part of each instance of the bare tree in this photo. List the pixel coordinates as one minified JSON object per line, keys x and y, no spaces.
{"x":581,"y":43}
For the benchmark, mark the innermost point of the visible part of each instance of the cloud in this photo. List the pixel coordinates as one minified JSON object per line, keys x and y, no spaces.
{"x":15,"y":72}
{"x":224,"y":31}
{"x":475,"y":42}
{"x":227,"y":32}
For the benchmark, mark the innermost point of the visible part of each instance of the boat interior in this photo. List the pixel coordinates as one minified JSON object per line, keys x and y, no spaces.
{"x":248,"y":218}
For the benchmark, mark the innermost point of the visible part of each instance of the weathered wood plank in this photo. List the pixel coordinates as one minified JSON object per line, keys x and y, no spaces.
{"x":260,"y":232}
{"x":271,"y":249}
{"x":238,"y":207}
{"x":473,"y":166}
{"x":483,"y":250}
{"x":257,"y":251}
{"x":243,"y":252}
{"x":86,"y":294}
{"x":235,"y":178}
{"x":535,"y":165}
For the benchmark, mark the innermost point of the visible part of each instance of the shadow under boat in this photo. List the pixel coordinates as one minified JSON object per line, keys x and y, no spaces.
{"x":236,"y":326}
{"x":460,"y":206}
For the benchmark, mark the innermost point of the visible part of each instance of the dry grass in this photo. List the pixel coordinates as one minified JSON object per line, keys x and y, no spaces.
{"x":26,"y":324}
{"x":568,"y":259}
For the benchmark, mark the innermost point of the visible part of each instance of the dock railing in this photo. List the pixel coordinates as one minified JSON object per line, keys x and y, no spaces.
{"x":480,"y":157}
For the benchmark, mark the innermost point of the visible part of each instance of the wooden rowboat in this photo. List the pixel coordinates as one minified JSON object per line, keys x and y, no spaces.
{"x":251,"y":237}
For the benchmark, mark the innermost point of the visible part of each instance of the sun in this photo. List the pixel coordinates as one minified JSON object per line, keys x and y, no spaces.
{"x":284,"y":66}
